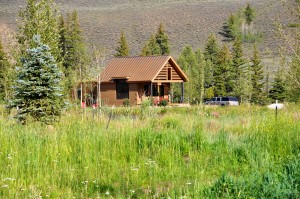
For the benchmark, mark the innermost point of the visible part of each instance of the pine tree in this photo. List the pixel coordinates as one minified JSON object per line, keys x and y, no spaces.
{"x":211,"y":53}
{"x":39,"y":17}
{"x":212,"y":49}
{"x":158,"y":44}
{"x":76,"y":59}
{"x":232,"y":27}
{"x":222,"y":73}
{"x":123,"y":49}
{"x":249,"y":14}
{"x":5,"y":83}
{"x":62,"y":37}
{"x":257,"y":78}
{"x":151,"y":47}
{"x":278,"y":90}
{"x":238,"y":61}
{"x":37,"y":93}
{"x":162,"y":40}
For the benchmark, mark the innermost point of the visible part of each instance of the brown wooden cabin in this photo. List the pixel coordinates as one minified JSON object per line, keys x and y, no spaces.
{"x":138,"y":79}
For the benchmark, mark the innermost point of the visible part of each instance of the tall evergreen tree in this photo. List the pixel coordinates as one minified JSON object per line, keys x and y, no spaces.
{"x":158,"y":44}
{"x":162,"y":40}
{"x":5,"y":73}
{"x":212,"y":49}
{"x":37,"y":93}
{"x":151,"y":47}
{"x":238,"y":61}
{"x":62,"y":36}
{"x":211,"y":54}
{"x":249,"y":13}
{"x":257,"y":78}
{"x":122,"y":49}
{"x":76,"y":59}
{"x":278,"y":90}
{"x":39,"y":17}
{"x":222,"y":73}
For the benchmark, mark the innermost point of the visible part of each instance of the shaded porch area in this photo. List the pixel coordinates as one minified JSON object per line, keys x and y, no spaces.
{"x":157,"y":92}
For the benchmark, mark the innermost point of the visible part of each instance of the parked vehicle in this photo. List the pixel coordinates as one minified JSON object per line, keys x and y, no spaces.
{"x":223,"y":101}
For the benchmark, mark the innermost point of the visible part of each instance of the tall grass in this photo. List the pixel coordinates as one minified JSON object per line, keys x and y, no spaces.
{"x":154,"y":153}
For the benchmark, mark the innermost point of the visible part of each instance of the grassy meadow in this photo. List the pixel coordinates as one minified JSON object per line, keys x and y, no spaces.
{"x":196,"y":152}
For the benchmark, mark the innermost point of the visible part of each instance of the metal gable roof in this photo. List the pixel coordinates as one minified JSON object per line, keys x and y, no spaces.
{"x":135,"y":69}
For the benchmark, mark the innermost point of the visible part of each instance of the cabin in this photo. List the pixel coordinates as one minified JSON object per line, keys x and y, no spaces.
{"x":139,"y":78}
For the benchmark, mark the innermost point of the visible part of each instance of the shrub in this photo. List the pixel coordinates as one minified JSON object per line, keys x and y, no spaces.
{"x":126,"y":102}
{"x":163,"y":103}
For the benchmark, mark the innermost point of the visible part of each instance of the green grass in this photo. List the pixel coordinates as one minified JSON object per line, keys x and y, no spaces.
{"x":154,"y":153}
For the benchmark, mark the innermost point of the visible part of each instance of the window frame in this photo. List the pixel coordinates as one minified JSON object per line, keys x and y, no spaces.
{"x":122,"y":89}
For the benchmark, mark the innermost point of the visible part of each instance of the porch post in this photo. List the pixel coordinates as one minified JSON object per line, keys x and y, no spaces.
{"x":182,"y":92}
{"x":151,"y":89}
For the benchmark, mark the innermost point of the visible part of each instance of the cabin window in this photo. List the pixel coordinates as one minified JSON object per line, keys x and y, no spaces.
{"x":169,"y":73}
{"x":122,"y":89}
{"x":159,"y":92}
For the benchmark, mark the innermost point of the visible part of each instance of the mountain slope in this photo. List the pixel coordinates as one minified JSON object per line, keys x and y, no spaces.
{"x":186,"y":22}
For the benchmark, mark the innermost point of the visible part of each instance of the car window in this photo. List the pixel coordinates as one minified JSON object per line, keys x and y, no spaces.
{"x":225,"y":99}
{"x":233,"y":99}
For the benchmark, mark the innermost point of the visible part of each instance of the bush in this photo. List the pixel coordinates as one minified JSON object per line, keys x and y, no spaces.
{"x":163,"y":103}
{"x":126,"y":102}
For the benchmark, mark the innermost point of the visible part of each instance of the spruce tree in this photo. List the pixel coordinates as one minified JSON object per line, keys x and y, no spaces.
{"x":222,"y":73}
{"x":232,"y":27}
{"x":37,"y":92}
{"x":151,"y":47}
{"x":123,"y":49}
{"x":257,"y":78}
{"x":211,"y":56}
{"x":162,"y":40}
{"x":238,"y":61}
{"x":278,"y":90}
{"x":76,"y":59}
{"x":39,"y":17}
{"x":62,"y":37}
{"x":249,"y":14}
{"x":212,"y":49}
{"x":5,"y":83}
